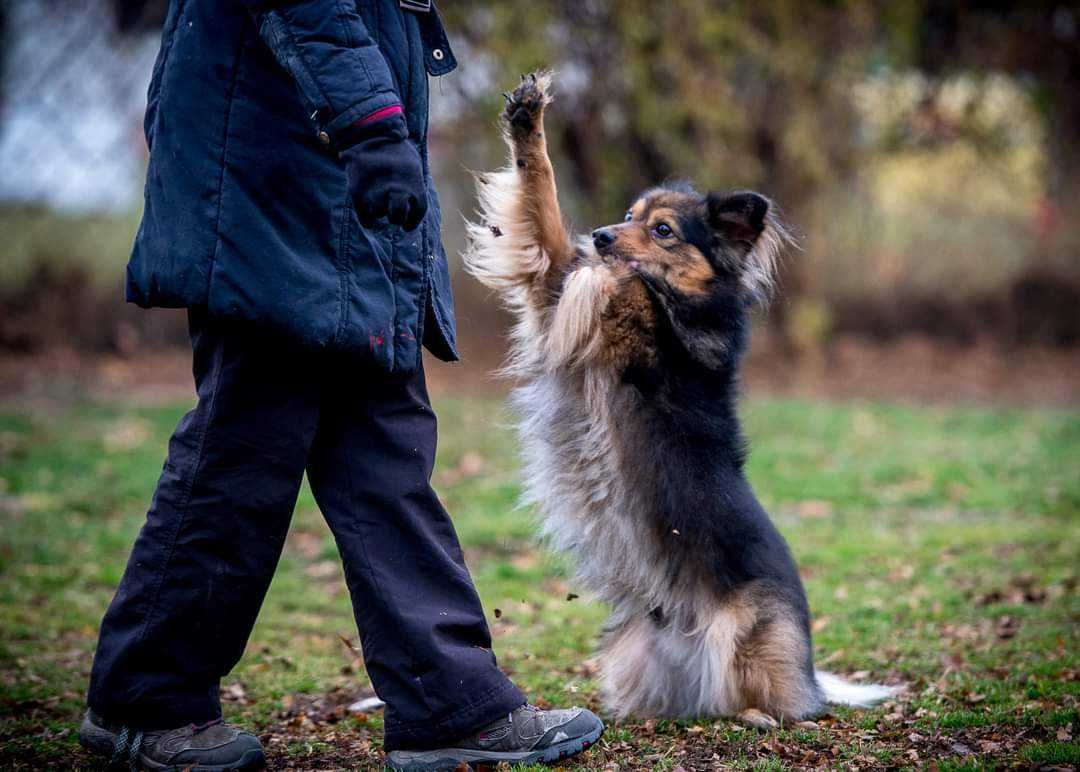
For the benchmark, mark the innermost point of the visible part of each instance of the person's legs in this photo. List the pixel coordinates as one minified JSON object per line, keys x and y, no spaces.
{"x":203,"y":561}
{"x":426,"y":643}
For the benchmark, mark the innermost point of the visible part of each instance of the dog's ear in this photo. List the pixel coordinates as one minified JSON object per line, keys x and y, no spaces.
{"x":749,"y":229}
{"x":738,"y":218}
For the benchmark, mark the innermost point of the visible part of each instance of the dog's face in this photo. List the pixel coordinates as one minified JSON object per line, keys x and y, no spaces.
{"x":700,"y":261}
{"x":694,"y":244}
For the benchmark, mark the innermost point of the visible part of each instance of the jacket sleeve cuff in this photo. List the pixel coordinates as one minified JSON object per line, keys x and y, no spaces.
{"x":378,"y":115}
{"x":384,"y":121}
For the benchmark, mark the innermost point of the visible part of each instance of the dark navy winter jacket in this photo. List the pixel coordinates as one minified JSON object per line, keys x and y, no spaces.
{"x":247,"y":209}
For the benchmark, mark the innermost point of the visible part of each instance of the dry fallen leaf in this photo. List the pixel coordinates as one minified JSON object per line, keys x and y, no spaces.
{"x":471,"y":464}
{"x":366,"y":705}
{"x":356,"y":653}
{"x":234,"y":693}
{"x":126,"y":435}
{"x":1006,"y":627}
{"x":815,"y":510}
{"x":587,"y":669}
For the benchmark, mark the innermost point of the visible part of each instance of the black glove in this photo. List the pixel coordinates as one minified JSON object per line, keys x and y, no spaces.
{"x":386,"y":176}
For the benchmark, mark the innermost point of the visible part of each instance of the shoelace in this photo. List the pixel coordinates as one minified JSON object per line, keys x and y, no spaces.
{"x":526,"y":706}
{"x":126,"y":750}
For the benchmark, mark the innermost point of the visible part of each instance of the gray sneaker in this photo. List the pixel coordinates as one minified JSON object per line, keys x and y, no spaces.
{"x":211,"y":747}
{"x":528,"y":735}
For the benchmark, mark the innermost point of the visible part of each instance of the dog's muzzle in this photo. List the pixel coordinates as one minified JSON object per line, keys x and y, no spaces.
{"x":602,"y":239}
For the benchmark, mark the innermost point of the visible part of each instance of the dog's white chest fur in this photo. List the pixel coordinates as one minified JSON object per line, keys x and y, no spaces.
{"x":577,"y":481}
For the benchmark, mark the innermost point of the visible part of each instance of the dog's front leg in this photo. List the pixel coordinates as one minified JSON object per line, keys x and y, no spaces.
{"x":524,"y":116}
{"x":521,"y":245}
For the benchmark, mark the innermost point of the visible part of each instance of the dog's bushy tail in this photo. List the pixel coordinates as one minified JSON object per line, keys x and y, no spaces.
{"x":837,"y":691}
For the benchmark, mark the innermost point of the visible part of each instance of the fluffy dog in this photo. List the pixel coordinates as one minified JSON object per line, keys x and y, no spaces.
{"x":628,"y":345}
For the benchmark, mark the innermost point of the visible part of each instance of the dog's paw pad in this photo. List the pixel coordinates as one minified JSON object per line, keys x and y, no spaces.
{"x":754,"y":718}
{"x":526,"y":102}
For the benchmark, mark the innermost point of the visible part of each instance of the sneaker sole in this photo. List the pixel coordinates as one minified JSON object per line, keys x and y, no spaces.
{"x":251,"y":760}
{"x":101,"y":741}
{"x":452,"y":758}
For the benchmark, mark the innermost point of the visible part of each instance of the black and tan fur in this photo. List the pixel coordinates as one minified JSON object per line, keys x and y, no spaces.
{"x":628,"y":346}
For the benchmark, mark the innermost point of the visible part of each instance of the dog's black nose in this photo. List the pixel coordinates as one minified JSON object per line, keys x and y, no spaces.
{"x":603,"y":237}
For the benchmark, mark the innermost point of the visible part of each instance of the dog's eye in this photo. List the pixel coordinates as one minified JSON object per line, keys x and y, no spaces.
{"x":663,"y":230}
{"x":629,"y":217}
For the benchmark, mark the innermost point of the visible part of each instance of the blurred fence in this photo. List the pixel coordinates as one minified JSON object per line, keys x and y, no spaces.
{"x":929,"y":177}
{"x":72,"y":157}
{"x":74,"y":91}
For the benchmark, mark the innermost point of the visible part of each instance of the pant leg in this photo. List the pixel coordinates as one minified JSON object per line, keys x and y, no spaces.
{"x":426,"y":643}
{"x":203,"y":561}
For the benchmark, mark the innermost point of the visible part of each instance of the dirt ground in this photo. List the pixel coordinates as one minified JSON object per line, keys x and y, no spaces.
{"x":910,"y":370}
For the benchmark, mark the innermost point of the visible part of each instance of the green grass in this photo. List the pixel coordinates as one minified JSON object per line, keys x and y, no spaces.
{"x":939,"y":546}
{"x":40,"y":241}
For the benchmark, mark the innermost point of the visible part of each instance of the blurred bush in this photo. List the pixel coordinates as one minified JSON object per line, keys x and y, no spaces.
{"x":927,"y":151}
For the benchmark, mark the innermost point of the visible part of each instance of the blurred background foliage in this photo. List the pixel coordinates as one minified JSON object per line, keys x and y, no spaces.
{"x":927,"y":151}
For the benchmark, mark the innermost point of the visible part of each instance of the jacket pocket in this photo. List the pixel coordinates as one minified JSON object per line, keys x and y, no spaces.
{"x":409,"y":284}
{"x":277,"y":35}
{"x":369,"y":285}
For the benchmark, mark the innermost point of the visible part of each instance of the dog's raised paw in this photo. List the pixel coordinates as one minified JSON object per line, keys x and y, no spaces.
{"x":525,"y":104}
{"x":753,"y":717}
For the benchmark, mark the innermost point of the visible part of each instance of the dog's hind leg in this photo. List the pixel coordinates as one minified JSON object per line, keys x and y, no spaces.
{"x":653,"y":666}
{"x":521,"y":243}
{"x":774,"y":674}
{"x":644,"y":673}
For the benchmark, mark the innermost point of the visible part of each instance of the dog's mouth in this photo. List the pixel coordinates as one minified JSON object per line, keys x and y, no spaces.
{"x":623,"y":266}
{"x":613,"y":258}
